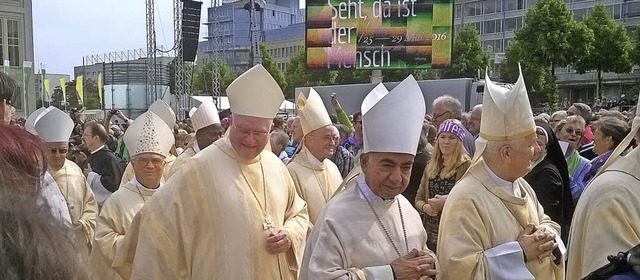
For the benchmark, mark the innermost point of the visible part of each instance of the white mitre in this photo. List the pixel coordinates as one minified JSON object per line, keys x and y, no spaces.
{"x":255,"y":94}
{"x":506,"y":114}
{"x":30,"y":123}
{"x":149,"y":134}
{"x":371,"y":99}
{"x":162,"y":109}
{"x":205,"y":115}
{"x":312,"y":112}
{"x":192,"y":111}
{"x":392,"y":122}
{"x":635,"y":126}
{"x":54,"y":126}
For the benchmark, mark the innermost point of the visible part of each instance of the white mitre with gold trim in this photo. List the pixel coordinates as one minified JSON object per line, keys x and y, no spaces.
{"x":149,"y":134}
{"x":164,"y":111}
{"x":54,"y":125}
{"x":392,"y":122}
{"x":255,"y":94}
{"x":312,"y":112}
{"x":506,"y":114}
{"x":205,"y":115}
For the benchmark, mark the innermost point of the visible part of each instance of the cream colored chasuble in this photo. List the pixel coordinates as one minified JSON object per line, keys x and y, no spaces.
{"x":207,"y":224}
{"x":480,"y":224}
{"x":81,"y":202}
{"x":315,"y":181}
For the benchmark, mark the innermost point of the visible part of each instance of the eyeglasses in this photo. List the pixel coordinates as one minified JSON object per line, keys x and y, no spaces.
{"x":60,"y":151}
{"x":328,"y":138}
{"x":246,"y":133}
{"x":570,"y":113}
{"x":156,"y":162}
{"x":572,"y":131}
{"x":440,"y":115}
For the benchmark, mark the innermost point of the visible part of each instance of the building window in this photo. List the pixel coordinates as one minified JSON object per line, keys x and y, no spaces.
{"x":512,"y":5}
{"x":492,"y":26}
{"x":458,"y":12}
{"x":492,"y":6}
{"x":13,"y":42}
{"x":616,"y":11}
{"x":632,"y":9}
{"x":511,"y":24}
{"x":473,"y":9}
{"x":493,"y":46}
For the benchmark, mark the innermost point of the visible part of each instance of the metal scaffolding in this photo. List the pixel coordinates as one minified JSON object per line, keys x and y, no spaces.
{"x":214,"y":23}
{"x":152,"y":94}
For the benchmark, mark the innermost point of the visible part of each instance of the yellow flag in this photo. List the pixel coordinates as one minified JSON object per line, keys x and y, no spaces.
{"x":46,"y":87}
{"x":100,"y":86}
{"x":64,"y":91}
{"x":79,"y":88}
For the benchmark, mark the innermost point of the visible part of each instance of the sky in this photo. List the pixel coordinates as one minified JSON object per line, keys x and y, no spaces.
{"x":64,"y":31}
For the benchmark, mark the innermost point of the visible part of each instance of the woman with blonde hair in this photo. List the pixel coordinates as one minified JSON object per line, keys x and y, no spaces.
{"x":449,"y":161}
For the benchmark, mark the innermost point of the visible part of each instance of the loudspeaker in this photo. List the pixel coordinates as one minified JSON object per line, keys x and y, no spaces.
{"x":190,"y":29}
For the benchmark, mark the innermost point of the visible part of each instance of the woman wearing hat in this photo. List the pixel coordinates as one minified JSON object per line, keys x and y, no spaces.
{"x":448,"y":163}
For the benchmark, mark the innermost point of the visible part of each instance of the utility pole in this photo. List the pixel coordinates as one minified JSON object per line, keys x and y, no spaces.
{"x":254,"y":32}
{"x":216,"y":10}
{"x":151,"y":54}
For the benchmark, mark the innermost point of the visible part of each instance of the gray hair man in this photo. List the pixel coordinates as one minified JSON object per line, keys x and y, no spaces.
{"x":235,"y":196}
{"x":498,"y":228}
{"x":371,"y":208}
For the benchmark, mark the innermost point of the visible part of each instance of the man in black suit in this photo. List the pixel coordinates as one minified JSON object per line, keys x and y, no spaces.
{"x":105,"y":168}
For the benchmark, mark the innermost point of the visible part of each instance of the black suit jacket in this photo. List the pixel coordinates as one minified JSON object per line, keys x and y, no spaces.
{"x":109,"y":166}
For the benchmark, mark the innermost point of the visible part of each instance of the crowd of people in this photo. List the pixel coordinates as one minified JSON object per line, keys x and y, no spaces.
{"x":390,"y":192}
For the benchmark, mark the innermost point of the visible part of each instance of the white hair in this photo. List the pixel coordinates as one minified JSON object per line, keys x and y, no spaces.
{"x":493,"y":147}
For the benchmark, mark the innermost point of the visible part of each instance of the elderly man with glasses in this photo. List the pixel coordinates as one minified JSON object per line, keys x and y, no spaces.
{"x":149,"y":140}
{"x":54,"y":128}
{"x":316,"y":177}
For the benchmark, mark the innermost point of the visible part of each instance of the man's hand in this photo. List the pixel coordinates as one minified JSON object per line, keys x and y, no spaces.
{"x":437,"y":203}
{"x":279,"y":242}
{"x":536,"y":243}
{"x":414,"y":265}
{"x":336,"y":104}
{"x":87,"y":170}
{"x":428,"y":209}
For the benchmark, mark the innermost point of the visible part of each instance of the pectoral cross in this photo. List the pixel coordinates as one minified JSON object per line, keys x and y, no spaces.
{"x":267,"y":225}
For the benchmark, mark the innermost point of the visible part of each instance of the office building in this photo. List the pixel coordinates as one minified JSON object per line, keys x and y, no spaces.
{"x":16,"y":48}
{"x":496,"y":21}
{"x":229,"y":26}
{"x":283,"y":43}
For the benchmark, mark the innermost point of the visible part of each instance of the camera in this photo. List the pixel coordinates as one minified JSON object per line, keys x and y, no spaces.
{"x":333,"y":96}
{"x":113,"y":111}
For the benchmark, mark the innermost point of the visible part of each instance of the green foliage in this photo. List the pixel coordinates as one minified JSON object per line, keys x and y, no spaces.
{"x":541,"y":85}
{"x":551,"y":36}
{"x":468,"y":55}
{"x":202,"y":82}
{"x":91,"y":97}
{"x":272,"y":67}
{"x":611,"y":51}
{"x":298,"y":75}
{"x":635,"y":53}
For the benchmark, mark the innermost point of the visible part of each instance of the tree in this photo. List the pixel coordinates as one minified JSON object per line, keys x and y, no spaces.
{"x":551,"y":36}
{"x":91,"y":97}
{"x":611,"y":51}
{"x":202,"y":82}
{"x":635,"y":54}
{"x":272,"y":67}
{"x":468,"y":55}
{"x":298,"y":75}
{"x":541,"y":85}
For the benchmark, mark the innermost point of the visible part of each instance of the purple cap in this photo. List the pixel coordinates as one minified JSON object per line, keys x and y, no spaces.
{"x":453,"y":128}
